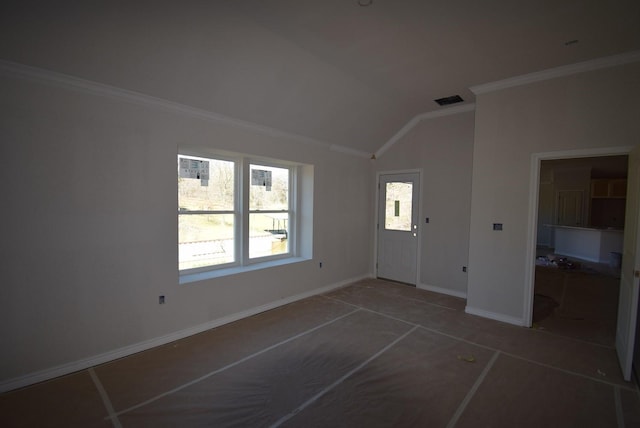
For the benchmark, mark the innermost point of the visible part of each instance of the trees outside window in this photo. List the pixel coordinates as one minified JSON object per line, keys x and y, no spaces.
{"x":217,"y":227}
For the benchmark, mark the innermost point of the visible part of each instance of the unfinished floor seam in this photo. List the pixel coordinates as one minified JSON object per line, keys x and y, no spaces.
{"x":231,"y":365}
{"x":463,"y":405}
{"x":105,"y":399}
{"x":422,"y":380}
{"x":533,"y":329}
{"x":426,"y":303}
{"x":574,"y":339}
{"x":618,"y":404}
{"x":595,"y":379}
{"x":340,"y":380}
{"x":569,"y":372}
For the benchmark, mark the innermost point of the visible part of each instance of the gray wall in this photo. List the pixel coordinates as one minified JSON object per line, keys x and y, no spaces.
{"x":208,"y":54}
{"x":442,"y":148}
{"x":589,"y":110}
{"x":89,"y":230}
{"x":90,"y":227}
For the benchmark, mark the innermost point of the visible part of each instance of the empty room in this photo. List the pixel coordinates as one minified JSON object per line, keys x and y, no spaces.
{"x":338,"y":213}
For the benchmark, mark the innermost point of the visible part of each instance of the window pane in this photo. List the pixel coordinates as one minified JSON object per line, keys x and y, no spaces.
{"x":398,"y":206}
{"x":205,"y":184}
{"x":269,"y":188}
{"x":268,"y":234}
{"x":205,"y":240}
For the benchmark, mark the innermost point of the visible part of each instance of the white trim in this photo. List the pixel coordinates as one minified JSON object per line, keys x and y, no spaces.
{"x":584,"y":153}
{"x":419,"y":224}
{"x":441,"y":290}
{"x":398,"y":135}
{"x":495,"y":316}
{"x":86,"y":363}
{"x":532,"y":226}
{"x":349,"y":151}
{"x":447,"y":111}
{"x":532,"y":238}
{"x":202,"y":274}
{"x":552,"y":73}
{"x":66,"y":81}
{"x":617,"y":399}
{"x":417,"y":119}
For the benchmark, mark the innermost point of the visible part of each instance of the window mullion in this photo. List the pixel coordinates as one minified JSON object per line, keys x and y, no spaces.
{"x":196,"y":212}
{"x":245,"y":181}
{"x":293,"y":210}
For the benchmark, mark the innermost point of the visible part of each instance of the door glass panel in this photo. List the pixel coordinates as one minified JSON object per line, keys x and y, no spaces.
{"x":398,"y":206}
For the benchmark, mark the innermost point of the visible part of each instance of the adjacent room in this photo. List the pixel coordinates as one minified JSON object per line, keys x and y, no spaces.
{"x":336,"y":213}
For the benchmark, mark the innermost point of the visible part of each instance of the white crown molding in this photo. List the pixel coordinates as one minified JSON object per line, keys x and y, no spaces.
{"x":417,"y":119}
{"x":66,"y":81}
{"x":349,"y":151}
{"x":552,"y":73}
{"x":398,"y":135}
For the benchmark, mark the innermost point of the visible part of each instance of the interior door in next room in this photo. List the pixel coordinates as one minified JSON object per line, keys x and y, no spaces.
{"x":570,"y":206}
{"x":398,"y":227}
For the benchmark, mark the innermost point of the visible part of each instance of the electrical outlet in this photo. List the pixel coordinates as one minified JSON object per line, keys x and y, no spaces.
{"x":161,"y":300}
{"x":497,"y":226}
{"x":320,"y":264}
{"x":464,"y":268}
{"x":426,"y":220}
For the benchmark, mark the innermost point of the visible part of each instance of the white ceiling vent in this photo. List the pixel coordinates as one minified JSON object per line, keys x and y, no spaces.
{"x":449,"y":100}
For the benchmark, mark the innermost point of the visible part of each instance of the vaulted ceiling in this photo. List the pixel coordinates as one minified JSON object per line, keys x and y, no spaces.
{"x":330,"y":70}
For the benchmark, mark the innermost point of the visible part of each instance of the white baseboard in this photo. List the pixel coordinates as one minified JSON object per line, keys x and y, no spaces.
{"x":495,"y":316}
{"x":74,"y":366}
{"x":441,"y":290}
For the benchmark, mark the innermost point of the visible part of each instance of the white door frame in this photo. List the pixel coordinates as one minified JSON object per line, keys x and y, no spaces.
{"x":532,"y":226}
{"x":377,"y":219}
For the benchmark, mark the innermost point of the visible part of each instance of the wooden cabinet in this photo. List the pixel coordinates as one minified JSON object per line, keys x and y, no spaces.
{"x":618,"y":188}
{"x":609,"y":188}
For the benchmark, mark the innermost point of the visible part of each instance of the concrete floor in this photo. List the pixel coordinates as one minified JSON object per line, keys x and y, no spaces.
{"x":587,"y":304}
{"x":372,"y":354}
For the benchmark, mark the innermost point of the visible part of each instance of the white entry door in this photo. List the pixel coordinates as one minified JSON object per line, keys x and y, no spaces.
{"x":398,"y":227}
{"x":630,"y":275}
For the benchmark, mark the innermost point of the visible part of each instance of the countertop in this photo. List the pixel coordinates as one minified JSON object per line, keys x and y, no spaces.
{"x":598,"y":229}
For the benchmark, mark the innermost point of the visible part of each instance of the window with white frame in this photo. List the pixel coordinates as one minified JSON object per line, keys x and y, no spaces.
{"x":233,"y":212}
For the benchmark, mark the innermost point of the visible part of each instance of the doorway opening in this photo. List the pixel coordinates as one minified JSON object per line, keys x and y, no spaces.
{"x":579,"y":238}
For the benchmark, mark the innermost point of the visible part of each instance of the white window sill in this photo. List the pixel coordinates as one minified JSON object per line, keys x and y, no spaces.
{"x":218,"y":273}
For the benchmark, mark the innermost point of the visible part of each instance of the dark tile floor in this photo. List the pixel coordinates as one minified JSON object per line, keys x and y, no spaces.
{"x":372,"y":354}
